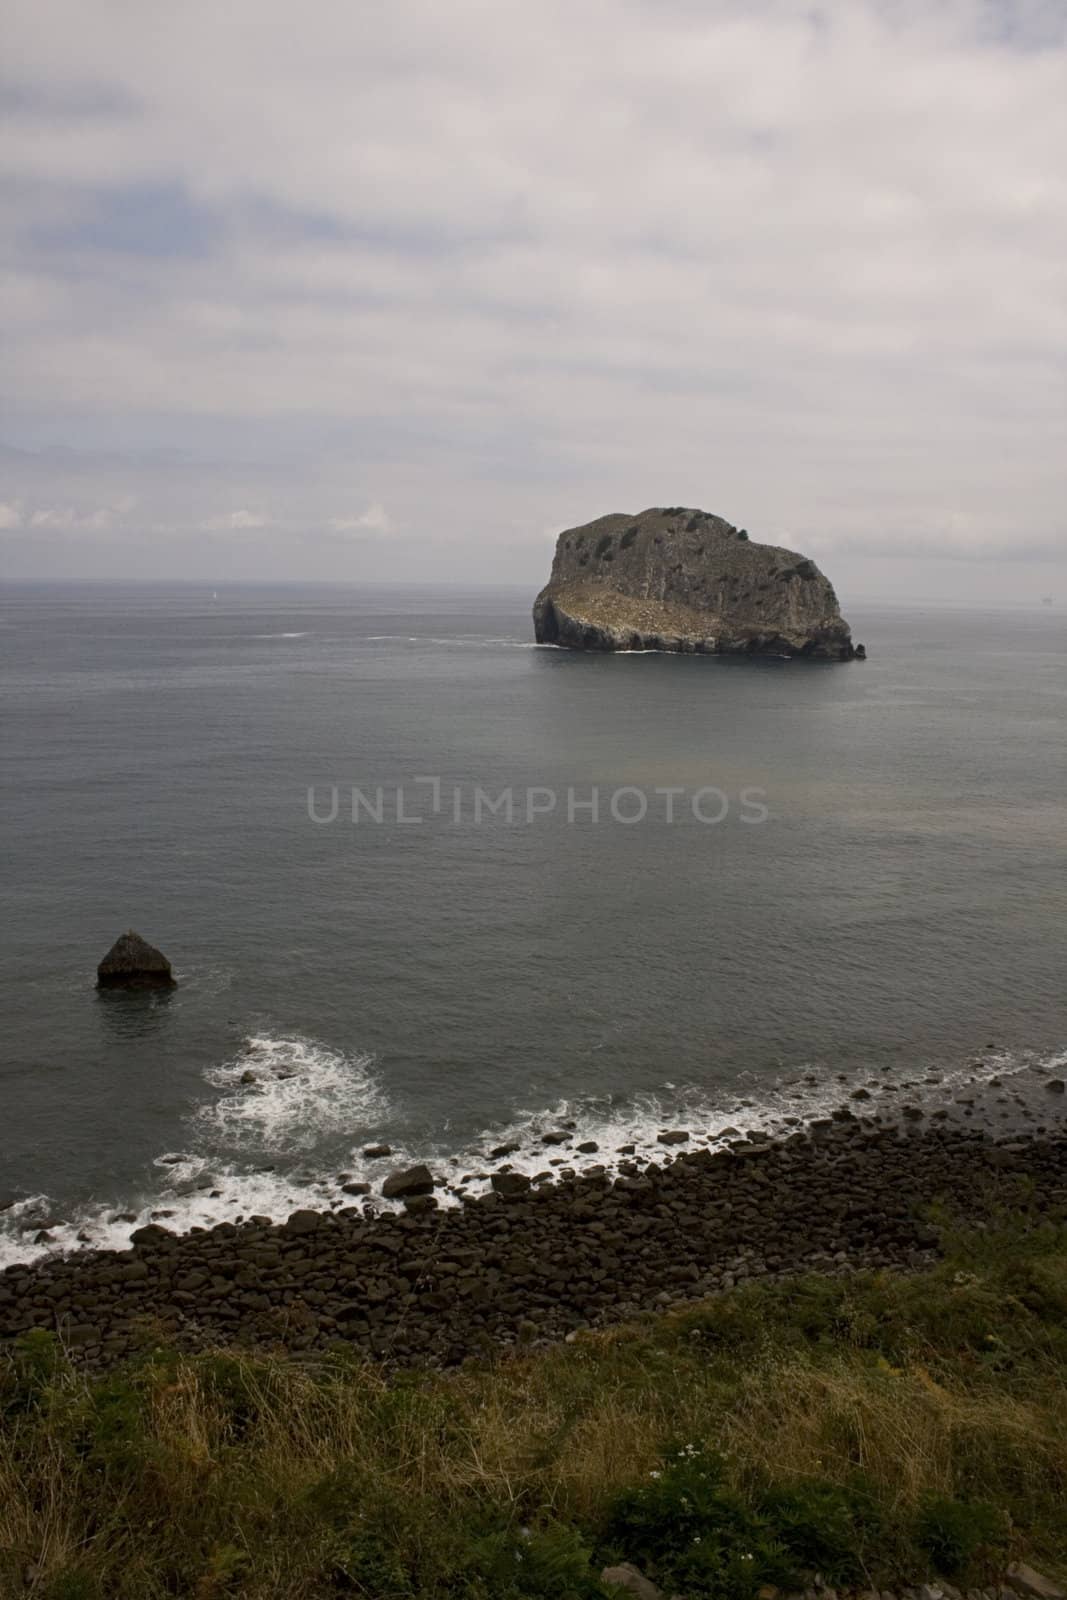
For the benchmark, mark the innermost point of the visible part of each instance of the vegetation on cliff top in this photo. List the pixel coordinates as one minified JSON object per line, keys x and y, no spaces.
{"x":874,"y":1430}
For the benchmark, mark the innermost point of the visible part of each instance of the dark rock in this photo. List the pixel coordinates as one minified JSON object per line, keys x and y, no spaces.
{"x":510,"y":1183}
{"x":401,"y":1185}
{"x":589,"y":1147}
{"x":556,"y":1137}
{"x":673,"y":1136}
{"x":301,"y":1222}
{"x":356,"y":1188}
{"x":1056,"y":1086}
{"x":83,"y":1333}
{"x":151,"y":1236}
{"x":133,"y":963}
{"x":373,"y":1151}
{"x":503,"y":1150}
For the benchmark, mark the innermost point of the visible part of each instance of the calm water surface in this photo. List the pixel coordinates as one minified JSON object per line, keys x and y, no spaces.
{"x":435,"y":983}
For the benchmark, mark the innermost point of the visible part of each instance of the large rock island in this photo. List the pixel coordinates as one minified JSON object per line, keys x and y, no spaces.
{"x":684,"y":580}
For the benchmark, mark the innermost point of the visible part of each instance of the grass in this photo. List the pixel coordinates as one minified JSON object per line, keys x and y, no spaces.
{"x":874,"y":1430}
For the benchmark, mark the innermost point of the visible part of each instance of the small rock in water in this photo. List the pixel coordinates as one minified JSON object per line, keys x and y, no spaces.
{"x":510,"y":1183}
{"x":248,"y":1077}
{"x":133,"y":963}
{"x":356,"y":1188}
{"x":503,"y":1150}
{"x":373,"y":1151}
{"x":673,"y":1136}
{"x":557,"y":1137}
{"x":589,"y":1147}
{"x":402,"y":1185}
{"x":1056,"y":1086}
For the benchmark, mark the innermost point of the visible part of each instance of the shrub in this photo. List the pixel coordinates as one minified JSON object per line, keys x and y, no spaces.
{"x":694,"y":1534}
{"x":955,"y":1534}
{"x":825,"y":1528}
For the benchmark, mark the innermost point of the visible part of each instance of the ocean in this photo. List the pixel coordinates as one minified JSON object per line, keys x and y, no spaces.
{"x":427,"y":884}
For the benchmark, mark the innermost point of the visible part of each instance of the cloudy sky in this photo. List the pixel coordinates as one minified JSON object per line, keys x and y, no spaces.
{"x":397,"y":288}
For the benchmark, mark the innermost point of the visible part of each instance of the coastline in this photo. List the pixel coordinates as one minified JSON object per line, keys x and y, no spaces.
{"x":436,"y":1285}
{"x":277,"y":1094}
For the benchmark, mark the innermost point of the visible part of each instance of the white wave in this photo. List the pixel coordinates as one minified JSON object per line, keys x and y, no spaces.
{"x":228,"y":1195}
{"x":297,"y":1091}
{"x":714,"y":1118}
{"x":462,"y":641}
{"x":279,"y":635}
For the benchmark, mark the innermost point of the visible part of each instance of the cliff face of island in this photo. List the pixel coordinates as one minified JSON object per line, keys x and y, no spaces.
{"x":684,"y":580}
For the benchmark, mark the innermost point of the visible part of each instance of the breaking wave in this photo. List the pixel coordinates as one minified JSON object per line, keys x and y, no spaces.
{"x":286,"y":1095}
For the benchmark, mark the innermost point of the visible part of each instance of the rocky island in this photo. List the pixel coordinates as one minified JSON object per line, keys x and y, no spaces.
{"x":683,"y":580}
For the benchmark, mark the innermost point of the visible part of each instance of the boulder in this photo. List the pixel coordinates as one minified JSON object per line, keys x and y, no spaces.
{"x":1024,"y":1580}
{"x":401,"y":1185}
{"x":300,"y":1222}
{"x":133,"y":963}
{"x":627,"y":1579}
{"x":510,"y":1183}
{"x":676,"y":579}
{"x":151,"y":1235}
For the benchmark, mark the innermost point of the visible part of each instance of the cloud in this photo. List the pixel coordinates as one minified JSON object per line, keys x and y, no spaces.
{"x":235,"y":521}
{"x":10,"y":517}
{"x":70,"y":519}
{"x":374,"y":520}
{"x":801,"y":265}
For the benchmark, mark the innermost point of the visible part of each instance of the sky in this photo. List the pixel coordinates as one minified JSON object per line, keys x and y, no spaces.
{"x":395,"y":289}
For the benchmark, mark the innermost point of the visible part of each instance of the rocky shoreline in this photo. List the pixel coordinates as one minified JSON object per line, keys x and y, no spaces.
{"x":529,"y":1262}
